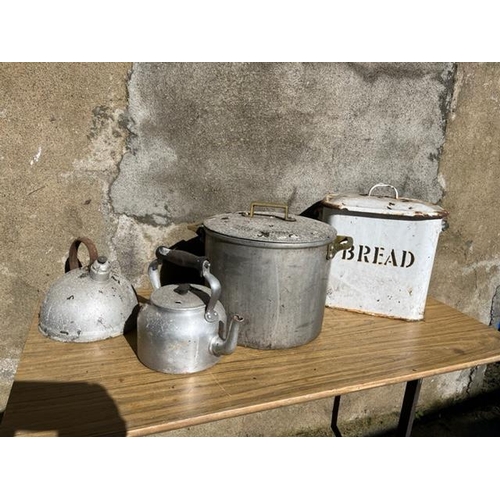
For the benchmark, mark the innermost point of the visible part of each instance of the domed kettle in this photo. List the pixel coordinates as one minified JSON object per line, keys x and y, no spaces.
{"x":183,"y":328}
{"x":88,"y":303}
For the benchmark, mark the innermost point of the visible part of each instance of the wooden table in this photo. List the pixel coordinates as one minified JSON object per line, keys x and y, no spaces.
{"x":102,"y":388}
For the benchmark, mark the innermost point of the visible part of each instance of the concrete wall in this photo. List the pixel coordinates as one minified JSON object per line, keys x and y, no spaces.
{"x":62,"y":138}
{"x":129,"y":155}
{"x":467,"y":267}
{"x":209,"y":138}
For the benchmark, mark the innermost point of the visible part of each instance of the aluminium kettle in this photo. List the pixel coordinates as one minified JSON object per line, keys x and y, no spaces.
{"x":183,"y":328}
{"x":88,"y":303}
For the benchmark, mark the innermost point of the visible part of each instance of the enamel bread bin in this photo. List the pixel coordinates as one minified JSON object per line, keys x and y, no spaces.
{"x":388,"y":269}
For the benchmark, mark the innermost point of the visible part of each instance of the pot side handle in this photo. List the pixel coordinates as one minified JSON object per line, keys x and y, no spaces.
{"x":339,"y":244}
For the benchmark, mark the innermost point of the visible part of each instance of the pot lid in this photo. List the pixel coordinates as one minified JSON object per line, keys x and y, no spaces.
{"x":392,"y":206}
{"x":271,"y":227}
{"x":181,"y":297}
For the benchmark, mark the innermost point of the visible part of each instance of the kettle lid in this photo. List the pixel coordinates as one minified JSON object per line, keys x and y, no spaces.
{"x":183,"y":297}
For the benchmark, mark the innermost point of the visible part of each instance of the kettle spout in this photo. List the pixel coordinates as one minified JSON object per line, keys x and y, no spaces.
{"x":228,"y":345}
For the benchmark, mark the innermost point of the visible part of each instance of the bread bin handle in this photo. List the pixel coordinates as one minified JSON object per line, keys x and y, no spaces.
{"x":382,"y":185}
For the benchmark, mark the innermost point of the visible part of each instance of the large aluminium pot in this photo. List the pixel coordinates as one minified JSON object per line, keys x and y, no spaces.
{"x":273,"y":270}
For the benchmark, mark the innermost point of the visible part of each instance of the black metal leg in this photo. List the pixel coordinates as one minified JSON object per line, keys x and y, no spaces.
{"x":335,"y":414}
{"x":406,"y":417}
{"x":408,"y":408}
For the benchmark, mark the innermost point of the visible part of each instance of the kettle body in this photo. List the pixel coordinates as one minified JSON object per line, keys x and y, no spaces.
{"x":88,"y":303}
{"x":183,"y":328}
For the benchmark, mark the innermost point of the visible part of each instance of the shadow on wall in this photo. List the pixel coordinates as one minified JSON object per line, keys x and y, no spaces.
{"x":61,"y":409}
{"x":172,"y":274}
{"x":495,"y":310}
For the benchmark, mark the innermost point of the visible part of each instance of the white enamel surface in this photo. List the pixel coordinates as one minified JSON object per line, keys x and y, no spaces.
{"x":383,"y":205}
{"x":388,"y":270}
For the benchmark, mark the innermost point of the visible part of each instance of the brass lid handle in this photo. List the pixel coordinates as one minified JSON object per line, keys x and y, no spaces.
{"x":270,"y":205}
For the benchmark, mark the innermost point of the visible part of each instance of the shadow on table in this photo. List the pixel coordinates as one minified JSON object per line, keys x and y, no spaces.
{"x":61,"y":409}
{"x":131,"y":335}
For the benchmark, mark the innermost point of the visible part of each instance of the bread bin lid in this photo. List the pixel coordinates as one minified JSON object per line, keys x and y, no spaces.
{"x":271,"y":228}
{"x":391,"y":206}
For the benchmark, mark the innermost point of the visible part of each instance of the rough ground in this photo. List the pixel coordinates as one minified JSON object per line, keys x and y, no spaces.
{"x":478,"y":416}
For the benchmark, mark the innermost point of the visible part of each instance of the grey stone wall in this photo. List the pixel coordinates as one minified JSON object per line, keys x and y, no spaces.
{"x":467,"y":267}
{"x":61,"y":140}
{"x":209,"y":138}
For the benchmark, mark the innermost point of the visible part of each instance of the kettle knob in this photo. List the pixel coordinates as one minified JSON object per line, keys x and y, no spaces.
{"x":183,"y":289}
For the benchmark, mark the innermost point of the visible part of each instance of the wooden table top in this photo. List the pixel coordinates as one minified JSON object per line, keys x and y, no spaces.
{"x":102,"y":388}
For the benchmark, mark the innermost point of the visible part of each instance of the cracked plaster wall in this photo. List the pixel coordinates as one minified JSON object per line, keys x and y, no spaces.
{"x":467,"y":266}
{"x":60,"y":144}
{"x":130,"y":154}
{"x":210,"y":138}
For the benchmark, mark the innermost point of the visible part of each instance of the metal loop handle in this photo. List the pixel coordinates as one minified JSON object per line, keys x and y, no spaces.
{"x":73,"y":252}
{"x":186,"y":259}
{"x":270,"y":205}
{"x":215,"y":288}
{"x":384,"y":185}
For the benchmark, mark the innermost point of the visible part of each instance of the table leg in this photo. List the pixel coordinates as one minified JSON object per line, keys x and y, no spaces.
{"x":406,"y":417}
{"x":408,"y":408}
{"x":335,"y":414}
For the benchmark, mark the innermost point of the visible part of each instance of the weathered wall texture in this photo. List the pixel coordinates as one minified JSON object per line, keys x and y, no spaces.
{"x":61,"y":139}
{"x":467,"y":267}
{"x":129,"y":155}
{"x":209,"y":138}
